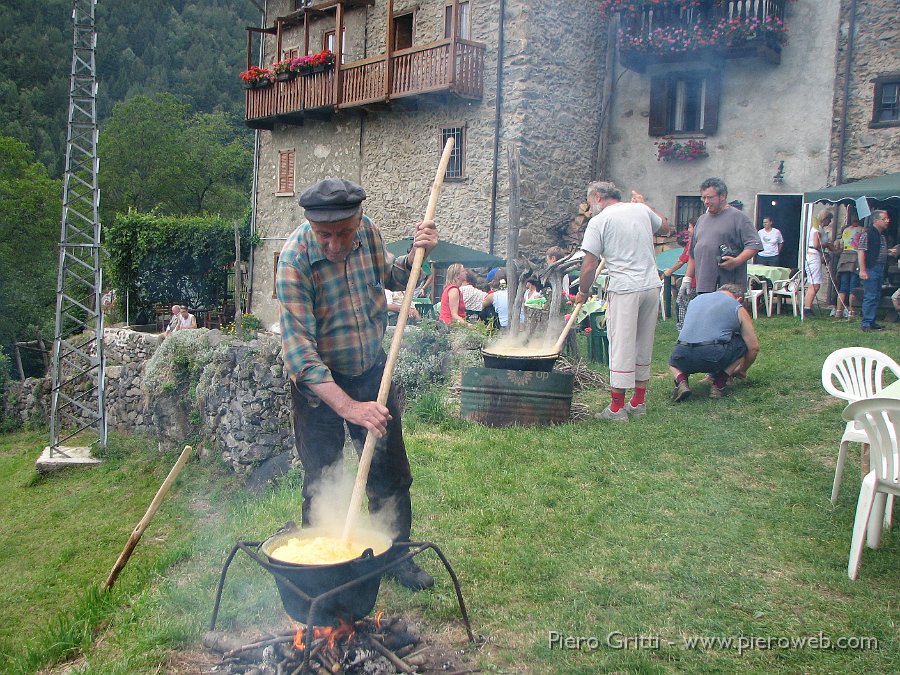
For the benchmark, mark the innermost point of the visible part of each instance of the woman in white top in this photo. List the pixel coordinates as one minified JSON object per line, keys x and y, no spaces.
{"x":814,"y":244}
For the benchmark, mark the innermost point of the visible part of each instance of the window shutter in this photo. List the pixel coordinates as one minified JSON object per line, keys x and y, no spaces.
{"x":711,"y":107}
{"x":659,"y":100}
{"x":286,"y":172}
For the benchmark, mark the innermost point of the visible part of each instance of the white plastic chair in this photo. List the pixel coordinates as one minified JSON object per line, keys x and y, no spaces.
{"x":854,"y":373}
{"x":880,"y":419}
{"x":786,"y":289}
{"x":756,"y":289}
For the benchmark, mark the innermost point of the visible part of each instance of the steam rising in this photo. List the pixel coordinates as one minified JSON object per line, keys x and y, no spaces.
{"x":331,"y":500}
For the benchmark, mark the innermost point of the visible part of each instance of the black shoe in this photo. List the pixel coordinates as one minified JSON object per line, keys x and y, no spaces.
{"x":411,"y":576}
{"x":877,"y":326}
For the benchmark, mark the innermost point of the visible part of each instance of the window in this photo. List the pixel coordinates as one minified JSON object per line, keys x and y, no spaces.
{"x":684,"y":103}
{"x":463,"y":24}
{"x":328,"y":43}
{"x":886,"y":108}
{"x":290,"y":53}
{"x":456,"y":167}
{"x":687,"y":208}
{"x":403,"y":31}
{"x":286,"y":173}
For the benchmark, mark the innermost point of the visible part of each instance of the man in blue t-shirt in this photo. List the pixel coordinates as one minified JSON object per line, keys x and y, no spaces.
{"x":717,"y":338}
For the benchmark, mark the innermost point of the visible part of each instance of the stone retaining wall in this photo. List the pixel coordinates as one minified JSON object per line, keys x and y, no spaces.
{"x":242,"y":399}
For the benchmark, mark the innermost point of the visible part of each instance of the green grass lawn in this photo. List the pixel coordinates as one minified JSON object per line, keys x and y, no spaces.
{"x":704,"y":519}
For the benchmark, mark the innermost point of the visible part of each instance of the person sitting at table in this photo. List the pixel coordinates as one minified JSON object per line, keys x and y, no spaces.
{"x":772,"y":241}
{"x":394,"y":302}
{"x":453,"y":308}
{"x":426,"y":282}
{"x":498,"y":299}
{"x":472,"y":297}
{"x":173,"y":321}
{"x":186,"y":320}
{"x":718,"y":338}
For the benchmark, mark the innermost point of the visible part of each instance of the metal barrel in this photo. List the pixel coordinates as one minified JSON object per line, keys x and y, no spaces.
{"x":504,"y":398}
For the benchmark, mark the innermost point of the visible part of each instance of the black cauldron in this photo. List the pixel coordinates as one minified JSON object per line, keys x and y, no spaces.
{"x":542,"y":364}
{"x":348,"y":605}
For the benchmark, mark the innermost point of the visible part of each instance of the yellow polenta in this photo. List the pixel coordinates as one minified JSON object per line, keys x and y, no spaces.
{"x":317,"y":551}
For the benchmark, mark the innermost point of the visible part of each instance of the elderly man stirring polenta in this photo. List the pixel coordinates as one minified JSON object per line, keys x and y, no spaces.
{"x":330,"y":282}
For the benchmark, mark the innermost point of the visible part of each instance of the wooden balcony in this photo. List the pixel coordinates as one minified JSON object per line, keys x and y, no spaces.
{"x":441,"y":67}
{"x":714,"y":30}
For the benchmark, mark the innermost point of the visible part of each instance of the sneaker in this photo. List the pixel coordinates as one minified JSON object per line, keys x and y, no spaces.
{"x":608,"y":414}
{"x":832,"y":313}
{"x":409,"y":575}
{"x":635,"y":410}
{"x":874,"y":326}
{"x":681,"y":391}
{"x":846,"y":314}
{"x":716,"y":392}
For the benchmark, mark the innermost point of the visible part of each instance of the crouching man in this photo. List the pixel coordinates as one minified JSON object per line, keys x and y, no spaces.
{"x":717,"y":338}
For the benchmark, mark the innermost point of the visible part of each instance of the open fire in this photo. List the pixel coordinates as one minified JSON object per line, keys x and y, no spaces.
{"x":374,"y":646}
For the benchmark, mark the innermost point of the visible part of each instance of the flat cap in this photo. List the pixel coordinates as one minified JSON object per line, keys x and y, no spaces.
{"x":331,"y":200}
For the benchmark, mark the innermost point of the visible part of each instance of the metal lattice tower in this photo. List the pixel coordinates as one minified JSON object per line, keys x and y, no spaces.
{"x":78,"y":406}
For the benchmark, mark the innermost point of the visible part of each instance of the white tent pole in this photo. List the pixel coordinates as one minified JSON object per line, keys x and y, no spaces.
{"x":801,"y":254}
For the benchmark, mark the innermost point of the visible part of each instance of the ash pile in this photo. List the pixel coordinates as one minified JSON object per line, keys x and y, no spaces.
{"x":370,"y":646}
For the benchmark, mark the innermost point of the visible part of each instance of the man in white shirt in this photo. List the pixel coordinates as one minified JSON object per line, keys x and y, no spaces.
{"x":622,"y":233}
{"x":772,"y":242}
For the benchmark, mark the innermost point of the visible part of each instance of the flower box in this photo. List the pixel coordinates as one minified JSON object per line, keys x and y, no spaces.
{"x":670,"y":150}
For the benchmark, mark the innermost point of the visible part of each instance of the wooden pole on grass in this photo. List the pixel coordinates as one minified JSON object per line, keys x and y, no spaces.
{"x":365,"y":459}
{"x":145,"y":521}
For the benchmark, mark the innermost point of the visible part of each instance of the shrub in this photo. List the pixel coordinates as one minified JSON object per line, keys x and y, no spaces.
{"x":178,"y":362}
{"x":422,"y":361}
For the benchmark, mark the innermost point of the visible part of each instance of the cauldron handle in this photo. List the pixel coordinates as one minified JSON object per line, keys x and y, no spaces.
{"x":244,"y":545}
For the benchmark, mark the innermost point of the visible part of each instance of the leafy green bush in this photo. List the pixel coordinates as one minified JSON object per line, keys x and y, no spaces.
{"x":171,"y":259}
{"x":422,"y":361}
{"x":250,"y":325}
{"x":178,"y":363}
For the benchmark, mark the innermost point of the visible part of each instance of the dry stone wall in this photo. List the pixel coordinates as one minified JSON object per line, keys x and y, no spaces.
{"x":242,"y":398}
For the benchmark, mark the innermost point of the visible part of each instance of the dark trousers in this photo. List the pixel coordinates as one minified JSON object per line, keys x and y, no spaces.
{"x":871,"y":295}
{"x":319,"y":436}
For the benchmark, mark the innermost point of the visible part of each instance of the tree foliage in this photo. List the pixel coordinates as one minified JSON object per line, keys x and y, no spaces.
{"x":192,"y":49}
{"x":157,"y":156}
{"x":30,"y":213}
{"x":171,"y":259}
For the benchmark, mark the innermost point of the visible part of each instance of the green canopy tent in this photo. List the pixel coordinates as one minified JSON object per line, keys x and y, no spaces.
{"x":445,"y":254}
{"x":880,"y":189}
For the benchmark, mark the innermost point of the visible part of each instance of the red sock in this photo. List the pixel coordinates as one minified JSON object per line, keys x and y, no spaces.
{"x":618,"y":401}
{"x":720,"y":379}
{"x":639,"y":394}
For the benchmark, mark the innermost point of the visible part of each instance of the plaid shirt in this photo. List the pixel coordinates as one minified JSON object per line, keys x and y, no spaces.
{"x":333,"y":315}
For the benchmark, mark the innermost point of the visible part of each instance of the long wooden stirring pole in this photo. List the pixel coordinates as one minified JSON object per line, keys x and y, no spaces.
{"x":365,"y":459}
{"x":557,"y":348}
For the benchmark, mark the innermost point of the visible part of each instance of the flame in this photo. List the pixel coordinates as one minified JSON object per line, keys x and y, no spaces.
{"x":332,"y":636}
{"x":379,"y":615}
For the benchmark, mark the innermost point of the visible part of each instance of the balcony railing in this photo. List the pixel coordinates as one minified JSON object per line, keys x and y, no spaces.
{"x":678,"y":31}
{"x":438,"y":67}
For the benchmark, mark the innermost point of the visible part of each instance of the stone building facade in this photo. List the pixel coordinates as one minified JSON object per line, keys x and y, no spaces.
{"x":552,"y":56}
{"x":868,"y":146}
{"x":771,"y":142}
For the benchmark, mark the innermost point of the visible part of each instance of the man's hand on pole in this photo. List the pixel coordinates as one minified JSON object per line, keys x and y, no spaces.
{"x":426,"y":236}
